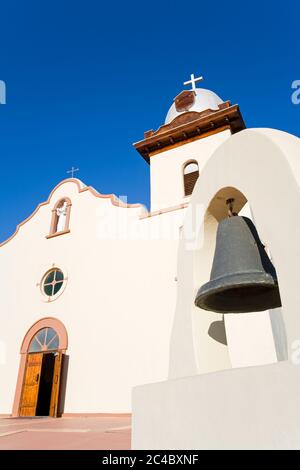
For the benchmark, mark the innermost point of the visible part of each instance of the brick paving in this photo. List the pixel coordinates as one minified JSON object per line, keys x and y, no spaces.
{"x":78,"y":433}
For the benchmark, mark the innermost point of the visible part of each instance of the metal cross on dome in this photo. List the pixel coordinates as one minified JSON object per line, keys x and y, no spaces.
{"x":193,"y":81}
{"x":72,"y":171}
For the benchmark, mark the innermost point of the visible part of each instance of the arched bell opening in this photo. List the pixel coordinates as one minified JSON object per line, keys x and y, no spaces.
{"x":216,"y":211}
{"x":252,"y":338}
{"x":243,"y":162}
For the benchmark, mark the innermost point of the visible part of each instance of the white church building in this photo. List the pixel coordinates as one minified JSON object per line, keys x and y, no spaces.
{"x":97,"y":295}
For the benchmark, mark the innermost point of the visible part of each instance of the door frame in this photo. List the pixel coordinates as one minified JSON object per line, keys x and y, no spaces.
{"x":49,"y":322}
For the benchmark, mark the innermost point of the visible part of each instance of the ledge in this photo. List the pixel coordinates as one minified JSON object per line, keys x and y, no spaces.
{"x":164,"y":211}
{"x":246,"y":408}
{"x":57,"y":234}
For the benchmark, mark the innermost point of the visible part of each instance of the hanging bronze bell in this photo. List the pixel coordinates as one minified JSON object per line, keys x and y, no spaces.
{"x":243,"y":278}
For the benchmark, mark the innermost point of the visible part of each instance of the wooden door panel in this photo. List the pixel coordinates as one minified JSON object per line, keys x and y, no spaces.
{"x":31,"y":384}
{"x":27,"y":411}
{"x":56,"y":384}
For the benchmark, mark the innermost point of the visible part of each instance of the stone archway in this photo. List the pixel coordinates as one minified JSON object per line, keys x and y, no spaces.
{"x":40,"y":357}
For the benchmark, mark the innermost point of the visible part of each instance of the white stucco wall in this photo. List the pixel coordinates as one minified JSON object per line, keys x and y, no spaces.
{"x":118,"y":304}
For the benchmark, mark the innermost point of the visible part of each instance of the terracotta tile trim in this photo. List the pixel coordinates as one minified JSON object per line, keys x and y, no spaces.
{"x":113,"y":198}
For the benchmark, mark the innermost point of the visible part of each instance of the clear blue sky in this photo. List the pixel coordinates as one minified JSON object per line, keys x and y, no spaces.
{"x":85,"y":79}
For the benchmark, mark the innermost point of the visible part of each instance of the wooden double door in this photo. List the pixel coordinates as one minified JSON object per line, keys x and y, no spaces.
{"x":40,"y":393}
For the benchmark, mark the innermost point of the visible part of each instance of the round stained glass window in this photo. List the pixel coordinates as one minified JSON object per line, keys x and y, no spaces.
{"x":44,"y":340}
{"x":53,"y":282}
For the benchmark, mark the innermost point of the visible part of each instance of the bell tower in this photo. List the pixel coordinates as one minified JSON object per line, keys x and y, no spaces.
{"x":196,"y":124}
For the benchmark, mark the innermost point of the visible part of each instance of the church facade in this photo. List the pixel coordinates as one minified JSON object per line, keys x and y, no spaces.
{"x":89,"y":283}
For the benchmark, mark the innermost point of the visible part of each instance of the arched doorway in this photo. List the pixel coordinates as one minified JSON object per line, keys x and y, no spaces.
{"x":42,"y":362}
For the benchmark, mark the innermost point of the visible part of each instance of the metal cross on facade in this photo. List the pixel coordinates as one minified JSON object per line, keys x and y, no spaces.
{"x":193,"y":81}
{"x":72,"y":171}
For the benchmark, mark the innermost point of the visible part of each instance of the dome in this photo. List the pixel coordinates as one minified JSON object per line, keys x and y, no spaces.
{"x":205,"y":99}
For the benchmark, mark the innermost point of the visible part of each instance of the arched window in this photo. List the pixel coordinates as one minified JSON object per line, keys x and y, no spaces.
{"x":60,"y":217}
{"x":44,"y":340}
{"x":190,"y":176}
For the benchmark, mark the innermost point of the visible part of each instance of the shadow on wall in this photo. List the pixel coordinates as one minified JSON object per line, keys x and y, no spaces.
{"x":63,"y":385}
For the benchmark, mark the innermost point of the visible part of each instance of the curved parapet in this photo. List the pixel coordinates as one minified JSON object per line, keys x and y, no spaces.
{"x":81,"y":188}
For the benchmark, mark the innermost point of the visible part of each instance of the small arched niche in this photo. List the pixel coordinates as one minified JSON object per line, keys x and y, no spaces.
{"x":60,"y":219}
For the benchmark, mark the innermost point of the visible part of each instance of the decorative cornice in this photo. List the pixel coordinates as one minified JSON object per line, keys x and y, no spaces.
{"x":190,"y":125}
{"x":113,"y":199}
